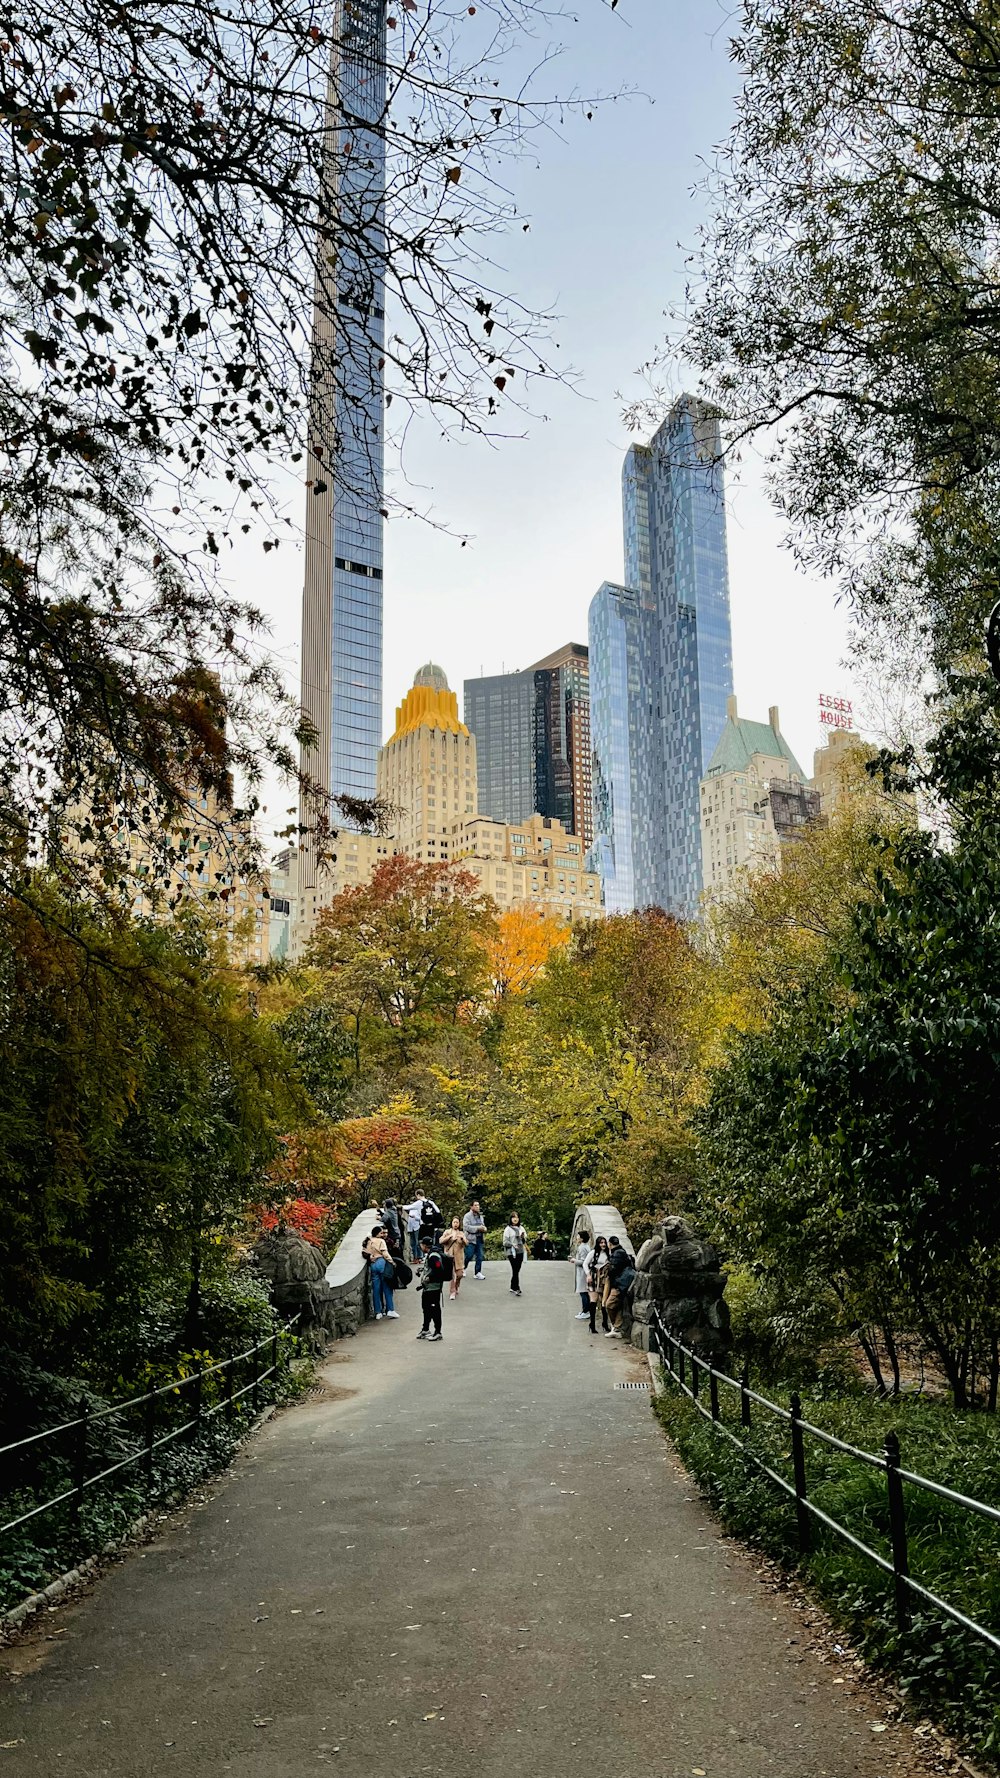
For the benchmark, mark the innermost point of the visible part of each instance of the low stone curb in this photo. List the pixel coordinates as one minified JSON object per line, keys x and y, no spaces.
{"x":13,"y":1620}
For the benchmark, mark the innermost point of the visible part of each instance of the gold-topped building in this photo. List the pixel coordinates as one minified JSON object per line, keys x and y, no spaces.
{"x":427,"y":774}
{"x":427,"y":769}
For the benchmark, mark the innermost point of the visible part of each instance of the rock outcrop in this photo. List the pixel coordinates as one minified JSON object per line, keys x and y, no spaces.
{"x":296,"y":1273}
{"x":678,"y":1276}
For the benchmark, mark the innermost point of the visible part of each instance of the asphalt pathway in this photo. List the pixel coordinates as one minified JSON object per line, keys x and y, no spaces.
{"x":478,"y":1557}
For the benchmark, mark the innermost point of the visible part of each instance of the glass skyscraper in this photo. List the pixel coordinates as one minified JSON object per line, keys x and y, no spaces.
{"x":679,"y":673}
{"x":616,"y":737}
{"x":342,"y":598}
{"x":532,"y":732}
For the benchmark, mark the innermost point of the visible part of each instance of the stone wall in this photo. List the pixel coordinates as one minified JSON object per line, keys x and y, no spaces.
{"x":677,"y":1276}
{"x":347,"y":1277}
{"x":331,"y":1300}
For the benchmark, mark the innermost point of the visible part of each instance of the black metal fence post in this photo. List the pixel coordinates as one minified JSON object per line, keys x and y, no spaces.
{"x":799,"y":1470}
{"x":713,"y":1391}
{"x":198,"y":1380}
{"x":680,"y":1364}
{"x":149,"y":1419}
{"x":897,"y":1531}
{"x":80,"y":1459}
{"x":695,"y":1368}
{"x":229,"y":1389}
{"x":745,"y":1396}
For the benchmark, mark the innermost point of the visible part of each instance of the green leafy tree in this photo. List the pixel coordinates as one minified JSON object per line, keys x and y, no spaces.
{"x":142,"y":1104}
{"x":855,"y":1140}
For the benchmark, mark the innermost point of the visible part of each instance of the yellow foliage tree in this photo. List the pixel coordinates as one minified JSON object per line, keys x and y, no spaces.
{"x":519,"y":948}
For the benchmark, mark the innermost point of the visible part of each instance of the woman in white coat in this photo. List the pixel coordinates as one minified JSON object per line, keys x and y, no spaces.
{"x":581,"y":1260}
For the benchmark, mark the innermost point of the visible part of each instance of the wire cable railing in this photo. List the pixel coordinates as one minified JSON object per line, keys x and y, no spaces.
{"x":698,"y":1378}
{"x":72,"y":1441}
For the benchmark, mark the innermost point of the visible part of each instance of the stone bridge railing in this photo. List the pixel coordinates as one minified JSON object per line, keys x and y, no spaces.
{"x":678,"y":1277}
{"x":347,"y":1277}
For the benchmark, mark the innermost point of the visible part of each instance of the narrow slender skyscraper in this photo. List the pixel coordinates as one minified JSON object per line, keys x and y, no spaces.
{"x":659,"y":720}
{"x":342,"y":595}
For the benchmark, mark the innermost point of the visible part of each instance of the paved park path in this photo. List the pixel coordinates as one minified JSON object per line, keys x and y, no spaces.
{"x":478,"y":1557}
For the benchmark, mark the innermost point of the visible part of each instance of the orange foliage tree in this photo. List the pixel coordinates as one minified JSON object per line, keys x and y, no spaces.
{"x":519,"y":946}
{"x":408,"y":945}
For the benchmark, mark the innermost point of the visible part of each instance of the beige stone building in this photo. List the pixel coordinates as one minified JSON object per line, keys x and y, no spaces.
{"x":754,"y":800}
{"x":535,"y":862}
{"x":427,"y":773}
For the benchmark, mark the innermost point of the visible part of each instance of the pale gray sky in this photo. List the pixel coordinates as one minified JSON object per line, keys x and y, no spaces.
{"x":612,"y":214}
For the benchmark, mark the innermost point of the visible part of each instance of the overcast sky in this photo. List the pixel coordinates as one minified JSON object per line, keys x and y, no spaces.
{"x":612,"y":215}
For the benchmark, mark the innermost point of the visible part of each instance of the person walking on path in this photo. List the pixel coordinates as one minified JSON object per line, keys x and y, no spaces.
{"x":474,"y":1229}
{"x":581,"y":1260}
{"x":453,"y":1242}
{"x":595,"y":1283}
{"x":619,"y":1278}
{"x":380,"y":1263}
{"x":412,"y":1214}
{"x":430,"y":1277}
{"x":514,"y":1248}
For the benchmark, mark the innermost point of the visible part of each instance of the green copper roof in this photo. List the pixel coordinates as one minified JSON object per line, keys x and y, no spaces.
{"x":741,"y":739}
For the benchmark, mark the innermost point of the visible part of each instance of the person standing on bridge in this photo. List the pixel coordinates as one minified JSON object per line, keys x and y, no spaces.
{"x":431,"y":1280}
{"x":383,"y":1274}
{"x":474,"y":1228}
{"x":596,"y":1272}
{"x":619,"y":1279}
{"x":412,"y":1214}
{"x":514,"y":1248}
{"x":581,"y":1260}
{"x":453,"y":1243}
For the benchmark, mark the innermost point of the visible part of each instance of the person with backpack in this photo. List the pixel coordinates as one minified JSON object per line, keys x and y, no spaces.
{"x":453,"y":1243}
{"x":383,"y":1274}
{"x":430,"y":1277}
{"x":514,"y":1246}
{"x":620,"y":1277}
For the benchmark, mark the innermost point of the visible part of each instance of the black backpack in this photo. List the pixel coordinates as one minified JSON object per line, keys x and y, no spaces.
{"x":428,"y":1215}
{"x":434,"y":1268}
{"x":447,"y":1267}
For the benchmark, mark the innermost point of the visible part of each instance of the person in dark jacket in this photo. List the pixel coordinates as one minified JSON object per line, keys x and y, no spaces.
{"x":543,"y":1246}
{"x":619,"y":1278}
{"x":430,"y":1277}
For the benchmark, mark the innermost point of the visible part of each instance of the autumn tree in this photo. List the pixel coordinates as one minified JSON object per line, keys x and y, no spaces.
{"x":410,"y":944}
{"x":520,"y":946}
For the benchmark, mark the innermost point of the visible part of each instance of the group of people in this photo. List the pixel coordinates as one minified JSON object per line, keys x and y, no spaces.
{"x":442,"y":1255}
{"x":605,"y":1274}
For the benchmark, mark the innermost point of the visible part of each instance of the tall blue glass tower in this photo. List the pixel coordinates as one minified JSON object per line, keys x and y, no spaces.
{"x":342,"y":597}
{"x":676,"y":688}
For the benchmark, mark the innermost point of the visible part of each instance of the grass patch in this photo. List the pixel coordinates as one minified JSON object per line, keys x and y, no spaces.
{"x":939,"y":1667}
